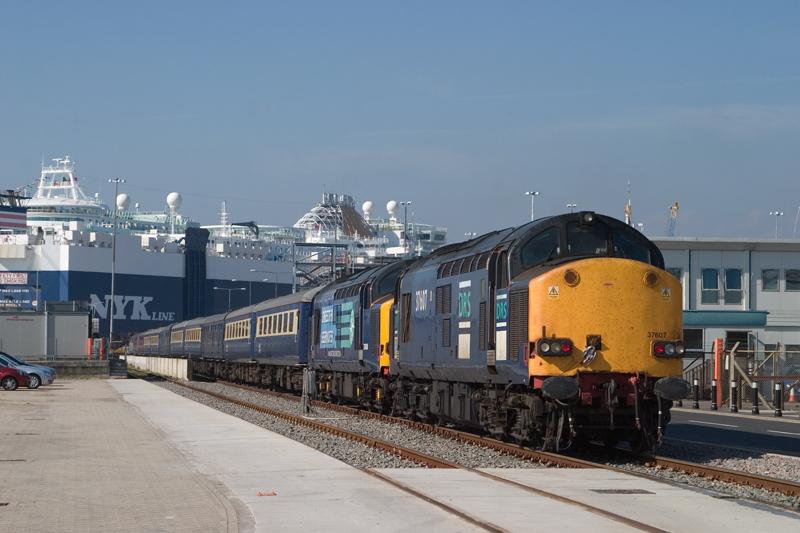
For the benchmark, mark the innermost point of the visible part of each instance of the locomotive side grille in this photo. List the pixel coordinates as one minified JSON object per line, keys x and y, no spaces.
{"x":518,"y":322}
{"x":446,"y":333}
{"x":375,"y":332}
{"x":443,"y":299}
{"x":482,"y":326}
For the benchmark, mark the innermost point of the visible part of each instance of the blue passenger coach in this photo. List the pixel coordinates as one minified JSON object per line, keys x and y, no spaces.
{"x":282,"y":329}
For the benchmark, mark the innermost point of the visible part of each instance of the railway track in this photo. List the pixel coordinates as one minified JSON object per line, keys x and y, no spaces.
{"x":430,"y":462}
{"x":786,"y":487}
{"x":781,"y":486}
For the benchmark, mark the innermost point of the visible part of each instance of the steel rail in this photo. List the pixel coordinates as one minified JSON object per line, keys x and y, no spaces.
{"x":515,"y":450}
{"x":786,"y":487}
{"x":424,"y":459}
{"x":783,"y":486}
{"x":394,"y":449}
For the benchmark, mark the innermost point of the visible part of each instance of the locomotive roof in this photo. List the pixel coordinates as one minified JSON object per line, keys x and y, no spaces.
{"x":481,"y":243}
{"x":504,"y":237}
{"x":363,"y":276}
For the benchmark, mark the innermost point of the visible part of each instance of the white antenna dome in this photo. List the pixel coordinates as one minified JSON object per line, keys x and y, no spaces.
{"x":391,"y":207}
{"x":174,"y":200}
{"x":366,"y":207}
{"x":123,"y":201}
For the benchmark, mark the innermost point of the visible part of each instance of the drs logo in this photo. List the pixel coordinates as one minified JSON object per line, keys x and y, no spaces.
{"x":464,"y":306}
{"x":501,"y":310}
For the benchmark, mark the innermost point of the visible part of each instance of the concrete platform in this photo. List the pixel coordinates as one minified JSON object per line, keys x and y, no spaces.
{"x":314,"y":491}
{"x":75,"y":457}
{"x":659,"y":505}
{"x":301,"y":489}
{"x":126,"y":455}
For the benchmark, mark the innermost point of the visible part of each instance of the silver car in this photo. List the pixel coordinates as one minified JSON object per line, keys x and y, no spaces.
{"x":36,"y":374}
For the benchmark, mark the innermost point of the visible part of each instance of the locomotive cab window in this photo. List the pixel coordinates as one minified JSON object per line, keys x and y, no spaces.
{"x":628,"y":245}
{"x":587,"y":239}
{"x":541,"y":248}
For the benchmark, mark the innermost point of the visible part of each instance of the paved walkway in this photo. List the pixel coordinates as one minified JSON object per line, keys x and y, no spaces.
{"x":287,"y":485}
{"x":75,"y":457}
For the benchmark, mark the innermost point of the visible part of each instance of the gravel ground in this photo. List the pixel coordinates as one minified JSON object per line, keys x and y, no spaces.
{"x":778,"y":466}
{"x":352,"y":453}
{"x":465,"y":454}
{"x":457,"y":452}
{"x":765,"y":464}
{"x":362,"y":456}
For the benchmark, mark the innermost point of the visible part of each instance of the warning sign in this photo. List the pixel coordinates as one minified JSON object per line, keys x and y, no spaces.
{"x":666,"y":293}
{"x":552,"y":291}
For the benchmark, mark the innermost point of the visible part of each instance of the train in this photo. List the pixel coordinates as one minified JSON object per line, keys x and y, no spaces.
{"x":562,"y":331}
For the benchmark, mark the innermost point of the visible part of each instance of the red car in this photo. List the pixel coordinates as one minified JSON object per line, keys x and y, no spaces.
{"x":10,"y":379}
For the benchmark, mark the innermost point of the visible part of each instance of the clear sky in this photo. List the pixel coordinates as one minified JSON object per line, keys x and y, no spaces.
{"x":458,"y":106}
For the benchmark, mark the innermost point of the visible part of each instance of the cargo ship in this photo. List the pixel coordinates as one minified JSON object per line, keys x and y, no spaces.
{"x":56,"y":245}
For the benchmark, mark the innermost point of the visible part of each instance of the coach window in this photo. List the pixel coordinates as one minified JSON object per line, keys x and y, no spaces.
{"x":733,"y":286}
{"x":710,"y":286}
{"x":792,"y":280}
{"x":291,"y":322}
{"x":769,"y":279}
{"x":541,"y":248}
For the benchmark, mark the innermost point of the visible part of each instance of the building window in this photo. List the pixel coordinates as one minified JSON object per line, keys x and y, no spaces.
{"x":792,"y":280}
{"x":733,"y":286}
{"x":769,"y":279}
{"x":677,"y":273}
{"x":710,"y":287}
{"x":693,"y":339}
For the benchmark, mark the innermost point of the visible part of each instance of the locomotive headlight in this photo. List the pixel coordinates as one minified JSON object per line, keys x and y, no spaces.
{"x":588,"y":218}
{"x":650,"y":278}
{"x":668,"y":349}
{"x":544,"y":347}
{"x":554,"y":347}
{"x":571,"y":277}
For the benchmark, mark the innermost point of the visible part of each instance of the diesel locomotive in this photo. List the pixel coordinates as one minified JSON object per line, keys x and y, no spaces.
{"x":562,"y":330}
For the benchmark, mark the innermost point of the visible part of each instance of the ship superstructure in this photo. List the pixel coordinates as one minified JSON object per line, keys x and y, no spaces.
{"x":170,"y":268}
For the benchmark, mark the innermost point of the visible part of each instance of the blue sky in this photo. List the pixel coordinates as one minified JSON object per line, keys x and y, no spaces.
{"x":459,"y":106}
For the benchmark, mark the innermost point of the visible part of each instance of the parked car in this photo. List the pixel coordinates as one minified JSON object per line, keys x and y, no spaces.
{"x":37,"y":374}
{"x":10,"y":378}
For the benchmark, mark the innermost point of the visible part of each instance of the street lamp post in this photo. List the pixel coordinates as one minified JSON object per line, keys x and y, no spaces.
{"x":274,"y":283}
{"x":405,"y":225}
{"x":776,"y":214}
{"x":533,"y":195}
{"x":572,"y":207}
{"x":230,"y":290}
{"x":111,"y":310}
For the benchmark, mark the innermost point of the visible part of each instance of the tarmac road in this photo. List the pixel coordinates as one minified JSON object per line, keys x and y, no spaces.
{"x":763,"y":433}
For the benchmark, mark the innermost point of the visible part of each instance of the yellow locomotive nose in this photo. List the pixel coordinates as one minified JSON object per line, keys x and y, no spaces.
{"x":619,"y":316}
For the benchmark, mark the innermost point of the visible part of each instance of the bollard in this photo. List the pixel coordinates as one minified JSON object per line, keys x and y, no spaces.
{"x":713,"y":394}
{"x":754,"y":386}
{"x":696,"y":385}
{"x":777,"y":399}
{"x":734,"y":397}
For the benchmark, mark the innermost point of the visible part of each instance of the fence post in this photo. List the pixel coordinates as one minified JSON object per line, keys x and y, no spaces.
{"x":734,"y":399}
{"x":713,"y":394}
{"x":754,"y":386}
{"x":777,"y":399}
{"x":696,"y":385}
